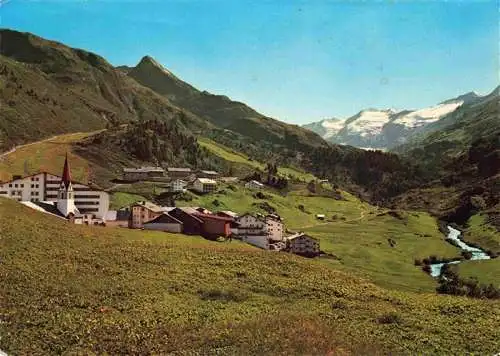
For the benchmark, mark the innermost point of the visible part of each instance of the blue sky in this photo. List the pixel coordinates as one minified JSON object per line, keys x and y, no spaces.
{"x":298,"y":61}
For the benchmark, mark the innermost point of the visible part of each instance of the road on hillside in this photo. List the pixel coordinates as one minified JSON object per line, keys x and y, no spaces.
{"x":2,"y":155}
{"x":28,"y":144}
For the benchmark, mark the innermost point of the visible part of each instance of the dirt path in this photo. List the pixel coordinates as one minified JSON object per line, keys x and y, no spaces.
{"x":26,"y":145}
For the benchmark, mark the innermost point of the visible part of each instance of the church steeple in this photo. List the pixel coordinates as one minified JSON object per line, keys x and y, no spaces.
{"x":66,"y":198}
{"x":66,"y":176}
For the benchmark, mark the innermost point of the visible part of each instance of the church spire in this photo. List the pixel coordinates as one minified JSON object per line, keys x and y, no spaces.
{"x":66,"y":176}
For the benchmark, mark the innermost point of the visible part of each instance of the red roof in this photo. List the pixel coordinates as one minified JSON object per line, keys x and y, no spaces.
{"x":66,"y":176}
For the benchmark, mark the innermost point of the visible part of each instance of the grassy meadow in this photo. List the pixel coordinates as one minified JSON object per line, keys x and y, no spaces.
{"x":82,"y":290}
{"x":482,"y":233}
{"x":357,"y":233}
{"x":241,"y":159}
{"x":485,"y":271}
{"x":120,"y":199}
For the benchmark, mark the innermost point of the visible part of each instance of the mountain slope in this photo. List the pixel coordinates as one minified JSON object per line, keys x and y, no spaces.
{"x":460,"y":155}
{"x":48,"y":88}
{"x":385,"y":129}
{"x":455,"y":133}
{"x":219,"y":109}
{"x":326,"y":128}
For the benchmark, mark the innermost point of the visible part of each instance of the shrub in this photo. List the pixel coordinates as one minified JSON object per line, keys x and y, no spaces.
{"x":338,"y":304}
{"x":260,"y":195}
{"x":426,"y":268}
{"x":241,"y":274}
{"x":467,"y":255}
{"x":223,"y":295}
{"x":389,"y":318}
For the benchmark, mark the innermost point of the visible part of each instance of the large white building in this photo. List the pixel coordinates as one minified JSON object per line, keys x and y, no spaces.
{"x":259,"y":230}
{"x":46,"y":187}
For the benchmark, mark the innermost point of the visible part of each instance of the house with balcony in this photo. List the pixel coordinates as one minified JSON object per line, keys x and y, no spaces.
{"x":303,"y":245}
{"x":143,"y":212}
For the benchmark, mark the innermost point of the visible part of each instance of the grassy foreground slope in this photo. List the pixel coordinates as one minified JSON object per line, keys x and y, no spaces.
{"x":76,"y":289}
{"x":359,"y":234}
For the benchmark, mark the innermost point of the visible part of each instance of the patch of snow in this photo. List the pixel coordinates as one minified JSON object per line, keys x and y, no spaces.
{"x":370,"y":122}
{"x":332,"y":127}
{"x":427,"y":115}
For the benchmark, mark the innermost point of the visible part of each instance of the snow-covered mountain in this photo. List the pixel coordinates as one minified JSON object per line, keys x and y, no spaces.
{"x":384,"y":129}
{"x":326,"y":128}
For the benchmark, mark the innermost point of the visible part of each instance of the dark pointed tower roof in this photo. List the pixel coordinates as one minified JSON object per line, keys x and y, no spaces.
{"x":66,"y":176}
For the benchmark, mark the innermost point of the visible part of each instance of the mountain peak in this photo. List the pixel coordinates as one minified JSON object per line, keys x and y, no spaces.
{"x":149,"y":62}
{"x":465,"y":98}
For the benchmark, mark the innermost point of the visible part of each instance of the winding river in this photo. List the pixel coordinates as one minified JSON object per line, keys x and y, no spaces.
{"x":454,"y":234}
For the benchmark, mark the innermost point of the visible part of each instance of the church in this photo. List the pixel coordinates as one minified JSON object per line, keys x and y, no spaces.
{"x":60,"y":196}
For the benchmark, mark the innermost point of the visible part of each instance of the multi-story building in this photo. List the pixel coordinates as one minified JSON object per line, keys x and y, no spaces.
{"x":143,"y":173}
{"x":274,"y":228}
{"x":143,"y":212}
{"x":259,"y":230}
{"x":208,"y":174}
{"x":204,"y":185}
{"x":178,"y":186}
{"x":303,"y":244}
{"x":45,"y":187}
{"x":175,"y":172}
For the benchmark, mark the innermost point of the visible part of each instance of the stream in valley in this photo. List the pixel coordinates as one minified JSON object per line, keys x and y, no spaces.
{"x":454,"y":234}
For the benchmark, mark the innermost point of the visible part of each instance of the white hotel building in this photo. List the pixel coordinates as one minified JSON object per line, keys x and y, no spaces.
{"x":45,"y":187}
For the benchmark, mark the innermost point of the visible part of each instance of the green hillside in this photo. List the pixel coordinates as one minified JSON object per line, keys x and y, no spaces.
{"x":241,"y":161}
{"x":74,"y":289}
{"x":357,"y":233}
{"x":47,"y":155}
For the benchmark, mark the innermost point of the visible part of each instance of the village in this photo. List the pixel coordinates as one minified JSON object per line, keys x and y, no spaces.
{"x":86,"y":204}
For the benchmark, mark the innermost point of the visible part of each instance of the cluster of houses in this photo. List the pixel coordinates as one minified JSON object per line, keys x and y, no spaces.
{"x":84,"y":204}
{"x":264,"y":231}
{"x":178,"y":179}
